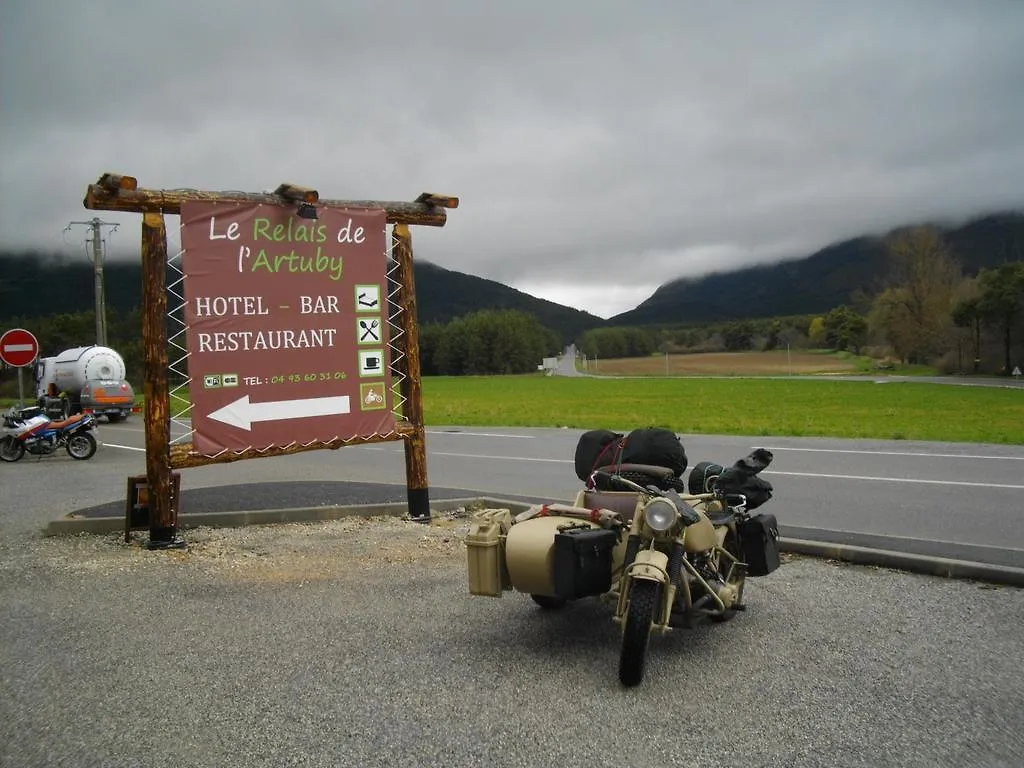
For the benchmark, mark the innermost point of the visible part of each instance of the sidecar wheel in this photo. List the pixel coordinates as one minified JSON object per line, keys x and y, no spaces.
{"x":81,"y":446}
{"x":10,"y":449}
{"x":549,"y":603}
{"x":643,"y":601}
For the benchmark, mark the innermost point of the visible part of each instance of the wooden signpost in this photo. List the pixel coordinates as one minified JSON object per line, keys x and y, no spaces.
{"x":296,"y":331}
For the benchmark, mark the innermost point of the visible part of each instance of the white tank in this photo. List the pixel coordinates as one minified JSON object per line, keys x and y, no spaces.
{"x":73,"y":367}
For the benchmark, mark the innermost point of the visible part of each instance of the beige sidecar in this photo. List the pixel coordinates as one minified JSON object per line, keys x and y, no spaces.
{"x":552,"y":552}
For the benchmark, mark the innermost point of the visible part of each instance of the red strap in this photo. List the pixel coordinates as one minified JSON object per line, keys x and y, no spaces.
{"x":614,"y":443}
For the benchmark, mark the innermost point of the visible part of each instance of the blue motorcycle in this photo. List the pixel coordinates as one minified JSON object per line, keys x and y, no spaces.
{"x":29,"y":430}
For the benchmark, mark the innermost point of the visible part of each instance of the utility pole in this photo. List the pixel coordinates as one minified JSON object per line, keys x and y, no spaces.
{"x":97,"y":267}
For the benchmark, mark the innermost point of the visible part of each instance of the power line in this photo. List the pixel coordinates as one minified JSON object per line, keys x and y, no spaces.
{"x":96,"y":225}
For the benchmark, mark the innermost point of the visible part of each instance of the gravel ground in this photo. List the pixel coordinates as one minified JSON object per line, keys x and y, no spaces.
{"x":355,"y":642}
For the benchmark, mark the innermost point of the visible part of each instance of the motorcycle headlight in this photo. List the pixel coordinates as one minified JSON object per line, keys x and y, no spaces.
{"x":660,"y":515}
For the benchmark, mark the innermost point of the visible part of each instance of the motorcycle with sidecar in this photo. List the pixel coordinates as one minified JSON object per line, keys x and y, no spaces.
{"x":665,"y":552}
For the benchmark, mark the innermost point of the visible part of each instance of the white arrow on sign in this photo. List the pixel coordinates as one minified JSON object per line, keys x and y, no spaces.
{"x":241,"y":413}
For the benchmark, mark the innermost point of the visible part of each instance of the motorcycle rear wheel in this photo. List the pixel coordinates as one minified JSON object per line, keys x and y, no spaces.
{"x":81,"y":446}
{"x":643,"y":601}
{"x":11,"y":449}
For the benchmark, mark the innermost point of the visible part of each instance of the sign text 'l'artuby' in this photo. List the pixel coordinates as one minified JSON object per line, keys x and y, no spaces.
{"x":286,"y":324}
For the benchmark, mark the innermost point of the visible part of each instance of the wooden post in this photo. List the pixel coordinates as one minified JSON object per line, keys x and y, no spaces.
{"x":415,"y":443}
{"x":163,"y":522}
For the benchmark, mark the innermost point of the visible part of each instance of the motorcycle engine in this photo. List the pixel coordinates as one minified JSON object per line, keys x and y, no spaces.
{"x":41,"y":445}
{"x":727,"y":593}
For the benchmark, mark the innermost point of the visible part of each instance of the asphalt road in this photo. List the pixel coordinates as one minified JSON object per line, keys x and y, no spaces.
{"x":357,"y":643}
{"x":954,"y":500}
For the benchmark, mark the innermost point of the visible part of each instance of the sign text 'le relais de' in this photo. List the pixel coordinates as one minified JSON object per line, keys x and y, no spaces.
{"x":287,"y":325}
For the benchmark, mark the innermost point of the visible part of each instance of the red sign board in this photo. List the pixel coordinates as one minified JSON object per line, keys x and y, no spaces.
{"x":18,"y":347}
{"x":286,"y":321}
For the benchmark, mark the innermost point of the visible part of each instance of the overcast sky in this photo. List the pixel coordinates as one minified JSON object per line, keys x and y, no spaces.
{"x":599,"y":148}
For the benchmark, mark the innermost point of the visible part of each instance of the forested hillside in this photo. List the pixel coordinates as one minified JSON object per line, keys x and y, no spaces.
{"x":35,"y":285}
{"x":838,"y":274}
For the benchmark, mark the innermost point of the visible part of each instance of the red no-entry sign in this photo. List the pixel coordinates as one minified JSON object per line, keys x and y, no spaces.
{"x":18,"y":347}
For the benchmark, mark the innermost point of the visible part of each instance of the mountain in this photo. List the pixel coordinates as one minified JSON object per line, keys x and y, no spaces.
{"x":443,"y":294}
{"x":36,"y":284}
{"x":817,"y":283}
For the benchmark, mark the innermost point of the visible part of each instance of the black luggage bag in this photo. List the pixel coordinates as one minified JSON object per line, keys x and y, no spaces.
{"x":759,"y":541}
{"x":596,"y":448}
{"x":582,"y":563}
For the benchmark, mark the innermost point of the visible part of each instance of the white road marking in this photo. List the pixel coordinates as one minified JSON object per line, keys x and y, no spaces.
{"x":470,"y":455}
{"x":476,"y":434}
{"x":766,"y":472}
{"x":895,"y":480}
{"x":865,"y":478}
{"x":898,"y":453}
{"x":124,"y":447}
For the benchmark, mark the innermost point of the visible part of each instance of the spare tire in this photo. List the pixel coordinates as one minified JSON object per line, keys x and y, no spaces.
{"x":703,"y":476}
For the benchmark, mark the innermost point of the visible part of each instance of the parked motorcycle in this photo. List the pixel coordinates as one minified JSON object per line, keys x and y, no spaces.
{"x":666,"y":553}
{"x":29,"y":430}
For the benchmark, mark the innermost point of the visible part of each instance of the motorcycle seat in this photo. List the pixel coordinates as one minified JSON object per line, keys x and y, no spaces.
{"x":66,"y":422}
{"x":641,"y":474}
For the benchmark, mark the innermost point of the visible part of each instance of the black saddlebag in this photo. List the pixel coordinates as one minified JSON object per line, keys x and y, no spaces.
{"x":759,"y":540}
{"x":657,"y":446}
{"x":582,"y":561}
{"x":597,"y":448}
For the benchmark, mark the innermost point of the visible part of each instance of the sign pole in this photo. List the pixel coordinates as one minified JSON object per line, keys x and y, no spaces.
{"x":416,"y":443}
{"x":21,"y":391}
{"x":163,"y":522}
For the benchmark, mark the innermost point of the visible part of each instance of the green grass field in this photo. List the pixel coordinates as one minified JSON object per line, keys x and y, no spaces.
{"x":762,"y":407}
{"x":728,"y":406}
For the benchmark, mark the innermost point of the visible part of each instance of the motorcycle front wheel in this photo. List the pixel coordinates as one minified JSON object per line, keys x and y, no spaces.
{"x":643,"y":602}
{"x":11,"y":449}
{"x":81,"y":446}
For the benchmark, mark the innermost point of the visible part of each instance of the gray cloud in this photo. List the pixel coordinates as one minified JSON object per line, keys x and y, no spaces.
{"x":592,"y":143}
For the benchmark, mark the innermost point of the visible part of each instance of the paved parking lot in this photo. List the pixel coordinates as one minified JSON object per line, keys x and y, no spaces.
{"x":356,"y":643}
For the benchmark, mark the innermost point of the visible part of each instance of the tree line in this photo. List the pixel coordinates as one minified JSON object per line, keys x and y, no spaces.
{"x":930,"y":312}
{"x":65,"y":330}
{"x":480,"y":343}
{"x":486,"y":342}
{"x":925,"y":310}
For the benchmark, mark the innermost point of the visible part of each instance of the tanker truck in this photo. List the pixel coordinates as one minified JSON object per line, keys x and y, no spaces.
{"x":84,"y":380}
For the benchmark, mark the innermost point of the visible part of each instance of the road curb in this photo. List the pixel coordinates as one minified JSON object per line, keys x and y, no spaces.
{"x":70,"y":526}
{"x":903,"y":561}
{"x":924,"y":564}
